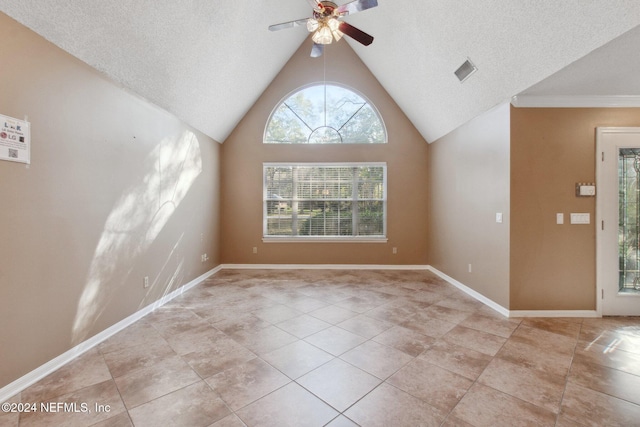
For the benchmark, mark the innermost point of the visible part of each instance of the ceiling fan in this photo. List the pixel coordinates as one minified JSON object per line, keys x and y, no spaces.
{"x":326,"y":24}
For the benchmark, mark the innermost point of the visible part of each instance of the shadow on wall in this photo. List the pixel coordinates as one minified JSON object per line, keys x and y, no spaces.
{"x":166,"y":280}
{"x":134,"y":223}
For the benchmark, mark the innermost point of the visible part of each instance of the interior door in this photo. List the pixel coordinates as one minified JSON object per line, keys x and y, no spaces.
{"x":618,"y":221}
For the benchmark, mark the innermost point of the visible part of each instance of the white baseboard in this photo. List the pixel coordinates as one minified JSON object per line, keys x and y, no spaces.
{"x":323,"y":267}
{"x":39,"y":373}
{"x":464,"y":288}
{"x":513,"y":313}
{"x":553,"y":313}
{"x":476,"y":295}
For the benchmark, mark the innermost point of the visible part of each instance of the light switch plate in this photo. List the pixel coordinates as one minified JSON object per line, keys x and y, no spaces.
{"x":559,"y":218}
{"x":580,"y":218}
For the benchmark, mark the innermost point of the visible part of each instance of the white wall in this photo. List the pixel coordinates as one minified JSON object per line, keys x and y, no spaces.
{"x":469,"y":177}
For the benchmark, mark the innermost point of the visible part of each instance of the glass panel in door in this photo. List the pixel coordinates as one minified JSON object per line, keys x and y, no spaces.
{"x":629,"y":220}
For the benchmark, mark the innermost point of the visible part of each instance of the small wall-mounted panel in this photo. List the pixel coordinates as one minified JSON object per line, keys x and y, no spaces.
{"x":584,"y":189}
{"x":580,"y":218}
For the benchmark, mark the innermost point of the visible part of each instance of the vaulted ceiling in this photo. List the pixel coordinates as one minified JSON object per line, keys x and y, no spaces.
{"x":207,"y":61}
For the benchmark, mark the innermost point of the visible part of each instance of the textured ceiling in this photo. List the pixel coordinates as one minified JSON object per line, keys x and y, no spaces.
{"x":610,"y":70}
{"x":208,"y":61}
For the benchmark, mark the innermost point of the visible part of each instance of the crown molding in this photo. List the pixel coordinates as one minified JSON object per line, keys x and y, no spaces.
{"x":577,"y":101}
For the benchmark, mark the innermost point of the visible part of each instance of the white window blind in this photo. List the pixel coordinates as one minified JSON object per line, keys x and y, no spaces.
{"x":325,"y":201}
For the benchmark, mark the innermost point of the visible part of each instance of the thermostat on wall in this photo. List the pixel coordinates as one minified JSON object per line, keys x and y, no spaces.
{"x":584,"y":189}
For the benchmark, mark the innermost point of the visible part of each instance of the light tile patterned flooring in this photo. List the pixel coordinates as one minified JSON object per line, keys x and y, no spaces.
{"x":346,"y":348}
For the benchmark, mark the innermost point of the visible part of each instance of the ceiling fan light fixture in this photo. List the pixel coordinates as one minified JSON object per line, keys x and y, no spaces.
{"x":323,"y":35}
{"x":325,"y":25}
{"x":312,"y":25}
{"x":334,"y":26}
{"x":333,"y":23}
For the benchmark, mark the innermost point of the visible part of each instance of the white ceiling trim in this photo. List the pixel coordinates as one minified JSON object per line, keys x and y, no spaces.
{"x":575,"y":101}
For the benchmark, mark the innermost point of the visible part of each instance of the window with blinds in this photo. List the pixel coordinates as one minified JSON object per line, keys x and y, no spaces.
{"x":325,"y":201}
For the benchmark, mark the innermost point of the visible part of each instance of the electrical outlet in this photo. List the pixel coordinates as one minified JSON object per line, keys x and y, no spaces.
{"x":204,"y":258}
{"x":145,"y":282}
{"x":255,"y":249}
{"x":469,"y":268}
{"x":394,"y":250}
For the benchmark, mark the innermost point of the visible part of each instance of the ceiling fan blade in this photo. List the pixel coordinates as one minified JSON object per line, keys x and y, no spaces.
{"x":356,"y":34}
{"x":317,"y":50}
{"x":290,"y":24}
{"x":355,"y":6}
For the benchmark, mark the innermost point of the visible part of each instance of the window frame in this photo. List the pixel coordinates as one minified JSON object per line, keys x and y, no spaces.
{"x":325,"y":83}
{"x":327,"y":239}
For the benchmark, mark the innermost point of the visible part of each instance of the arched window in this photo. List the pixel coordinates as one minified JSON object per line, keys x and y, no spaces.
{"x":325,"y":113}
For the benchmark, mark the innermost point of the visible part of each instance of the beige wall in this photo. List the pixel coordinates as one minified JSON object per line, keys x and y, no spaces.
{"x":117,"y":190}
{"x":469,"y":184}
{"x":243,"y":154}
{"x":553,"y":266}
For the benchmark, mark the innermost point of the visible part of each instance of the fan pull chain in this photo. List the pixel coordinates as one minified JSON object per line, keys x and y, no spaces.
{"x":324,"y":79}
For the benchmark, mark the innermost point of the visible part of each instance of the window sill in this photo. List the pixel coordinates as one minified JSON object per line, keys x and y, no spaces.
{"x":289,"y":239}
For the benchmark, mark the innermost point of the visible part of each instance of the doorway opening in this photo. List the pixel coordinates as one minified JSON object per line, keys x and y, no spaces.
{"x":618,"y":221}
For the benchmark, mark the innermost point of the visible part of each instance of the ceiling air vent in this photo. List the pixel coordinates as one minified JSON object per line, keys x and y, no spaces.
{"x":465,"y":70}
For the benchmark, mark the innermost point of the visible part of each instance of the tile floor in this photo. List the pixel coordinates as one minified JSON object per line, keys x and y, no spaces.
{"x":345,"y":348}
